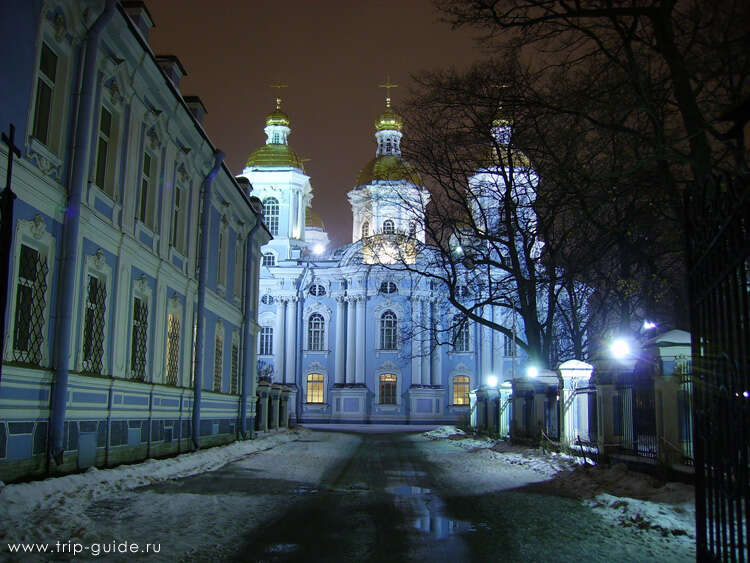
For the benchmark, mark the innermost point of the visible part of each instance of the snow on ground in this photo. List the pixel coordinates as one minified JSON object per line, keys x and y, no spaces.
{"x":621,"y":497}
{"x":37,"y":510}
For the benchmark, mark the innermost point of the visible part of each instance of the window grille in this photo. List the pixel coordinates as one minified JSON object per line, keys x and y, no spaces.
{"x":388,"y":389}
{"x":461,"y":390}
{"x":93,"y":326}
{"x":102,"y":149}
{"x":315,"y":332}
{"x":218,"y":362}
{"x":388,"y":227}
{"x":267,"y":299}
{"x":314,"y":388}
{"x":460,"y":334}
{"x":317,"y":290}
{"x":388,"y":330}
{"x":266,"y":341}
{"x":388,"y":287}
{"x":138,"y":343}
{"x":269,"y":259}
{"x":235,"y":382}
{"x":271,"y":214}
{"x":31,"y":293}
{"x":173,"y":349}
{"x":45,"y":90}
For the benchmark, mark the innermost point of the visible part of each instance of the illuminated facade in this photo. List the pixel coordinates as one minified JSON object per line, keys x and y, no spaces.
{"x":351,"y":333}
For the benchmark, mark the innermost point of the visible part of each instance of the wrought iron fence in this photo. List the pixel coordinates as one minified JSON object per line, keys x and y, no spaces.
{"x":638,"y":412}
{"x":719,"y":253}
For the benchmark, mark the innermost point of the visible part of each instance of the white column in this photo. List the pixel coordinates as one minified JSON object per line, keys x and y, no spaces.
{"x":291,"y":342}
{"x":486,"y":365}
{"x":497,"y":345}
{"x":416,"y":342}
{"x":426,"y":309}
{"x":360,"y":365}
{"x":436,"y":377}
{"x":279,"y":340}
{"x":350,"y":339}
{"x":339,"y":375}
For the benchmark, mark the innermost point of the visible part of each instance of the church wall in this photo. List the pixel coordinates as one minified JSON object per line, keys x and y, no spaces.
{"x":121,"y":412}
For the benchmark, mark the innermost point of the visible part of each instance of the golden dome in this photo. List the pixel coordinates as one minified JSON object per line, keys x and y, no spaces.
{"x":275,"y":155}
{"x":388,"y":168}
{"x":389,"y":119}
{"x":278,"y":117}
{"x":312,"y":219}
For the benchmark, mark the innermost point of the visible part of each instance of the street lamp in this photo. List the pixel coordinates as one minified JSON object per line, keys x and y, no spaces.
{"x":620,"y":349}
{"x":492,"y":381}
{"x":532,"y":371}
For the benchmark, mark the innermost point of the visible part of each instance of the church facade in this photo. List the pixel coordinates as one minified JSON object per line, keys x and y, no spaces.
{"x":349,"y":331}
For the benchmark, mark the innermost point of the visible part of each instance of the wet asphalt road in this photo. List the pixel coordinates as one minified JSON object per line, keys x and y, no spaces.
{"x":381,"y":504}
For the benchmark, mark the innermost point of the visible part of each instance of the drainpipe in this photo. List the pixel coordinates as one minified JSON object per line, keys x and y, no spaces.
{"x":71,"y":228}
{"x":247,"y":336}
{"x":202,"y":279}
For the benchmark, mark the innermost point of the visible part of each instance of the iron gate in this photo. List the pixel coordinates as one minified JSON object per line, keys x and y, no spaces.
{"x":719,"y":251}
{"x":638,"y":412}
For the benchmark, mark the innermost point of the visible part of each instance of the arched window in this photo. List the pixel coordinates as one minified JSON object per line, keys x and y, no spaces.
{"x":365,"y":229}
{"x":388,"y":227}
{"x":412,"y":229}
{"x":461,"y":390}
{"x":460,"y":334}
{"x":269,"y":259}
{"x":388,"y":331}
{"x":315,"y":332}
{"x":388,"y":146}
{"x":388,"y":287}
{"x":314,"y":388}
{"x":388,"y":389}
{"x":271,"y":214}
{"x":267,"y":299}
{"x":317,"y":290}
{"x":265,"y":341}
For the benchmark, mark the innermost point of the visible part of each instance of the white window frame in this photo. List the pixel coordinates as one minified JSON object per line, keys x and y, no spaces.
{"x":110,"y":165}
{"x":272,"y":220}
{"x":33,"y":234}
{"x":235,"y":368}
{"x":147,"y":216}
{"x":324,"y":383}
{"x":218,"y":338}
{"x":269,"y":253}
{"x":177,"y":236}
{"x":222,"y":252}
{"x":239,"y":266}
{"x":315,"y":307}
{"x":389,"y":227}
{"x":260,"y":341}
{"x":382,"y":329}
{"x":388,"y":370}
{"x":96,"y":265}
{"x":465,"y":338}
{"x":453,"y":389}
{"x":175,"y":309}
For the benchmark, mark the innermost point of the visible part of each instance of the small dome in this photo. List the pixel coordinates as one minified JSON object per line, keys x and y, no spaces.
{"x":278,"y":117}
{"x":388,"y":168}
{"x":312,"y":219}
{"x":389,"y":119}
{"x":275,"y":155}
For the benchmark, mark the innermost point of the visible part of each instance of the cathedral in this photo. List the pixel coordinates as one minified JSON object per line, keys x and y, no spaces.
{"x":348,"y":330}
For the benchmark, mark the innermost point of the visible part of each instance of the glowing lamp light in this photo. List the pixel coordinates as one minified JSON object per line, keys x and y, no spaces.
{"x":649,"y":325}
{"x":459,"y":250}
{"x":620,"y":349}
{"x":319,"y":248}
{"x":492,"y":381}
{"x":532,"y":371}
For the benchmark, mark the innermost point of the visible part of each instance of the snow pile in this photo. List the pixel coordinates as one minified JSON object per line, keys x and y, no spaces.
{"x":628,"y":512}
{"x":461,"y":438}
{"x":444,"y":432}
{"x":23,"y":503}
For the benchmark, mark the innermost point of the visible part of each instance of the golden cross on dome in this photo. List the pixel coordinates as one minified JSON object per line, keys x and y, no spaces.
{"x":387,"y":87}
{"x":278,"y":86}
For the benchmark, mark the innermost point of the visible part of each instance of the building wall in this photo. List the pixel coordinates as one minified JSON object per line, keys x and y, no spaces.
{"x":119,"y":412}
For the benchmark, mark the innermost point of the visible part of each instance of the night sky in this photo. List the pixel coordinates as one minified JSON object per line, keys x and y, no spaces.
{"x":331,"y":53}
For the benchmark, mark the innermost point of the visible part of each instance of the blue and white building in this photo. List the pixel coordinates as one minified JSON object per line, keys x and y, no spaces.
{"x":350,"y":332}
{"x":131,"y":322}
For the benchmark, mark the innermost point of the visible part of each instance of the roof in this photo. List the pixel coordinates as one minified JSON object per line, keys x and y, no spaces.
{"x":275,"y":154}
{"x":312,"y":219}
{"x":388,"y":168}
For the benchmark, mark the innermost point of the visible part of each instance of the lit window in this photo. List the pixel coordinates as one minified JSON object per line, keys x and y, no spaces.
{"x":461,"y":390}
{"x":31,"y":295}
{"x":173,"y":348}
{"x":265,"y":342}
{"x":317,"y":290}
{"x":388,"y":287}
{"x":269,"y":259}
{"x":45,"y":93}
{"x":93,"y":326}
{"x":315,"y":332}
{"x":314,"y":388}
{"x":388,"y":389}
{"x":271,"y":214}
{"x":138,"y":341}
{"x":388,"y":227}
{"x":460,"y":334}
{"x":388,"y":331}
